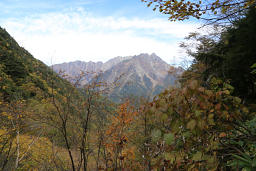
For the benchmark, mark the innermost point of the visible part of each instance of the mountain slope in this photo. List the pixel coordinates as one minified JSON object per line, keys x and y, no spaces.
{"x":141,"y":75}
{"x":74,"y":69}
{"x":23,"y":76}
{"x":114,"y":61}
{"x":29,"y":122}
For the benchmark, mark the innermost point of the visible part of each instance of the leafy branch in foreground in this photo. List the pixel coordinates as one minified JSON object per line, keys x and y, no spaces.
{"x":211,"y":11}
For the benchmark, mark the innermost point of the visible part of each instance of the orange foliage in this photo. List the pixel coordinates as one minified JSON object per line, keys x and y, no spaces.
{"x":119,"y":133}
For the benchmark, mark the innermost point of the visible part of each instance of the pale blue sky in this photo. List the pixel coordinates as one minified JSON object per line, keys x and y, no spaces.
{"x":131,"y":8}
{"x":57,"y":31}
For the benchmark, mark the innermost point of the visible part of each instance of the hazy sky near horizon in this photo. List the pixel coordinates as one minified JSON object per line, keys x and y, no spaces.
{"x":57,"y":31}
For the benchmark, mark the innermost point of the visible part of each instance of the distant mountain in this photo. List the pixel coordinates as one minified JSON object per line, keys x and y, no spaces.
{"x":142,"y":75}
{"x":73,"y":69}
{"x":114,"y":61}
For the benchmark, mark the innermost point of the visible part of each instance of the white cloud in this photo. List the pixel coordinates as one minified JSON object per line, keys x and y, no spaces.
{"x":78,"y":35}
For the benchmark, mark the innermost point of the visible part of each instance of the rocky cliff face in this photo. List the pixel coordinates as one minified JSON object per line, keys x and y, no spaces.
{"x":142,"y":75}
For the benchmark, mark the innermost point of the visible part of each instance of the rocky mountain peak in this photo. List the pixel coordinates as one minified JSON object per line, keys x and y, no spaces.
{"x":142,"y":75}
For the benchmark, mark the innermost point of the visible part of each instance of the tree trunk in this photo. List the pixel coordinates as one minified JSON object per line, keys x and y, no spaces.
{"x":18,"y":149}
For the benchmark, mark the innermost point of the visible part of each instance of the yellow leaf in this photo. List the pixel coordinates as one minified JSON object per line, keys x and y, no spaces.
{"x":223,"y":134}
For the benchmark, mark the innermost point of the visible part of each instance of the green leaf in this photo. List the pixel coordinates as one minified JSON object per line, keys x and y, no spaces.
{"x":241,"y":159}
{"x":246,"y":156}
{"x":170,"y":111}
{"x":197,"y":113}
{"x":254,"y":162}
{"x":169,"y":138}
{"x":175,"y":126}
{"x":254,"y":65}
{"x":211,"y":119}
{"x":197,"y":156}
{"x":241,"y":143}
{"x":156,"y":135}
{"x":169,"y":156}
{"x":186,"y":134}
{"x":164,"y":117}
{"x":246,"y":169}
{"x":237,"y":100}
{"x":191,"y":124}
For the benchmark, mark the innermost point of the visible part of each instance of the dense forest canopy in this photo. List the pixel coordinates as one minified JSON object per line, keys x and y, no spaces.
{"x":206,"y":123}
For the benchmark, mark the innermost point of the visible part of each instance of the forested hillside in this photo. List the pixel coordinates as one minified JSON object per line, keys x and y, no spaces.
{"x":207,"y":123}
{"x":25,"y":88}
{"x":23,"y":76}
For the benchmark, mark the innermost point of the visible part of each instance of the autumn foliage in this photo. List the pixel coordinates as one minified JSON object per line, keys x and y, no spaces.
{"x":119,"y":134}
{"x":206,"y":122}
{"x":212,"y":11}
{"x":188,"y":123}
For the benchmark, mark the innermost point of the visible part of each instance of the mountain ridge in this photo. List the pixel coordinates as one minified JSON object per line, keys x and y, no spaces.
{"x":139,"y":75}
